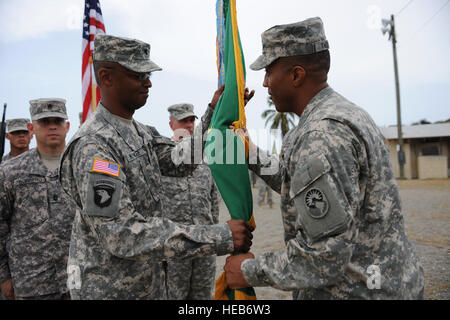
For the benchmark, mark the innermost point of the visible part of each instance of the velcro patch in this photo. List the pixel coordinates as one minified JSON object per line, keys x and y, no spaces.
{"x":103,"y":196}
{"x":107,"y":167}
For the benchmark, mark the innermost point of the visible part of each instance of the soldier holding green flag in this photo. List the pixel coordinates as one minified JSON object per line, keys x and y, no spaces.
{"x":112,"y":168}
{"x":341,"y":207}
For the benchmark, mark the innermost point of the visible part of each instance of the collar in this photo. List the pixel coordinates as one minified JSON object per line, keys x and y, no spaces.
{"x":125,"y":132}
{"x":314,"y":102}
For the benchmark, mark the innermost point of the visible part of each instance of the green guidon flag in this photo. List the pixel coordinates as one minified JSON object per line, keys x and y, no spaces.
{"x":226,"y":152}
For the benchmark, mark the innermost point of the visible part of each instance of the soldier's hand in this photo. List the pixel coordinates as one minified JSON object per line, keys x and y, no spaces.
{"x":242,"y":234}
{"x":233,"y":274}
{"x":8,"y":289}
{"x":248,"y":96}
{"x":217,"y":96}
{"x":243,"y":133}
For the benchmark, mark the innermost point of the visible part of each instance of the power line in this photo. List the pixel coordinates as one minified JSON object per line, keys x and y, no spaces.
{"x":409,"y":2}
{"x":434,"y":15}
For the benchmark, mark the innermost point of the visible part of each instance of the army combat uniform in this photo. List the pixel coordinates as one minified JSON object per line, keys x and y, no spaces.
{"x":191,"y":200}
{"x":120,"y":240}
{"x":263,"y":190}
{"x":35,"y":224}
{"x":341,"y":208}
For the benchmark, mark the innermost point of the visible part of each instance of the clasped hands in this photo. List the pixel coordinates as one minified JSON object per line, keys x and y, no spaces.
{"x":241,"y":230}
{"x":248,"y":95}
{"x":242,"y":235}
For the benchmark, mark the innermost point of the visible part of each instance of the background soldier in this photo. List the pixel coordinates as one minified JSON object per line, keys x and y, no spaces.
{"x":190,"y":200}
{"x":341,"y":208}
{"x":36,"y":216}
{"x":19,"y":137}
{"x":112,"y":169}
{"x":263,"y":191}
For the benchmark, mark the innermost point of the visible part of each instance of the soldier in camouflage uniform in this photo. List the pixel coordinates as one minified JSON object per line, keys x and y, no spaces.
{"x":112,"y":168}
{"x":190,"y":200}
{"x":19,"y":137}
{"x":264,"y":191}
{"x":35,"y":215}
{"x":341,"y":207}
{"x":19,"y":141}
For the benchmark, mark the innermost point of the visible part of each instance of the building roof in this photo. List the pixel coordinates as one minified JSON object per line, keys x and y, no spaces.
{"x":418,"y":131}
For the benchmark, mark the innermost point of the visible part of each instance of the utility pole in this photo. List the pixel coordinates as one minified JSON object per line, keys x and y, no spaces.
{"x":389,"y":26}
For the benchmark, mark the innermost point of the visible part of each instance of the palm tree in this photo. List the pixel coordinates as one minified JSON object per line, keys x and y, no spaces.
{"x":284,"y":120}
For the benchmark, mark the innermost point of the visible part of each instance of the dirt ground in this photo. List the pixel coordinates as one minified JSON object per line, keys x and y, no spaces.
{"x":426,"y":208}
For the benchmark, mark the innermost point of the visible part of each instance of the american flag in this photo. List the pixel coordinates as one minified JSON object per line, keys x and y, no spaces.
{"x":92,"y":25}
{"x":106,"y":167}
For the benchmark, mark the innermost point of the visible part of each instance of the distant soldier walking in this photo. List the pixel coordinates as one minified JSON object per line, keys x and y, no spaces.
{"x":264,"y":192}
{"x":35,"y":215}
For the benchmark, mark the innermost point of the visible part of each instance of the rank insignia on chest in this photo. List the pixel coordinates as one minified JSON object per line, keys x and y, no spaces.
{"x":107,"y":167}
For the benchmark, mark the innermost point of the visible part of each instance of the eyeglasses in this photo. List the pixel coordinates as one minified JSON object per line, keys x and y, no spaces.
{"x":141,"y":76}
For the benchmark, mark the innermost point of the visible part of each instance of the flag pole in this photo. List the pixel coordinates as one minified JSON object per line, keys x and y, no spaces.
{"x":93,"y":87}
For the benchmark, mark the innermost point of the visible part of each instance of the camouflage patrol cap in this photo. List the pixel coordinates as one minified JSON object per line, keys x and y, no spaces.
{"x":296,"y":39}
{"x":181,"y":111}
{"x":17,"y":125}
{"x":129,"y":53}
{"x":48,"y":107}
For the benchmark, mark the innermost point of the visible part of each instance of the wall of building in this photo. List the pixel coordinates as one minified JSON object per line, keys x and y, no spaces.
{"x":432,"y":167}
{"x":435,"y":158}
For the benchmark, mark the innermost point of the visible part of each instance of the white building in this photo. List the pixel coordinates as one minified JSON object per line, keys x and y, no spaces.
{"x":426,"y":148}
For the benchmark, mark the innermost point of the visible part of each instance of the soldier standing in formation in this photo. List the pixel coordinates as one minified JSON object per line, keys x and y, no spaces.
{"x":190,"y":200}
{"x":112,"y":168}
{"x":19,"y":137}
{"x":341,"y":207}
{"x":35,"y":215}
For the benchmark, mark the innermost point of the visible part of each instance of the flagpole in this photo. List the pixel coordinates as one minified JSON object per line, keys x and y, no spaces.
{"x":93,"y":87}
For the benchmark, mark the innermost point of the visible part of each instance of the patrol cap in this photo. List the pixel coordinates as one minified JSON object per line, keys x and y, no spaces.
{"x":17,"y":125}
{"x":130,"y":53}
{"x":48,"y":107}
{"x":181,"y":111}
{"x":295,"y":39}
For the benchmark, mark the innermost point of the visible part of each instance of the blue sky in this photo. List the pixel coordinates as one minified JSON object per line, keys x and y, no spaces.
{"x":40,"y":53}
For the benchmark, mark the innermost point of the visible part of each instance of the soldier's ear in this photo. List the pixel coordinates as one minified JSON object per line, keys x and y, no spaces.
{"x":171,"y":124}
{"x":8,"y":136}
{"x":105,"y":76}
{"x":298,"y":75}
{"x":30,"y":128}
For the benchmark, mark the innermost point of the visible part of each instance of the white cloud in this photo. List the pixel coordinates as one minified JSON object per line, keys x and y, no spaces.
{"x":24,"y":19}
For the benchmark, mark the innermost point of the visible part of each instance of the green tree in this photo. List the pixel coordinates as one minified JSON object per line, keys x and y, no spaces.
{"x":283,"y":121}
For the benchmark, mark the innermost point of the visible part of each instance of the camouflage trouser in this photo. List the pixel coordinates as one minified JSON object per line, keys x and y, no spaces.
{"x":51,"y":296}
{"x":191,"y":279}
{"x":262,"y":189}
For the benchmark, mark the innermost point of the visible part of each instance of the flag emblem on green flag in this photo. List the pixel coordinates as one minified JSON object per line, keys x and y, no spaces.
{"x":226,"y":152}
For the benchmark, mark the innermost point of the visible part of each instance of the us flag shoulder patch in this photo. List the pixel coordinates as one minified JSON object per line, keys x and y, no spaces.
{"x":107,"y":167}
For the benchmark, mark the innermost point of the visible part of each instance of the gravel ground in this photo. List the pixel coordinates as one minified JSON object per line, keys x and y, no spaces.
{"x":426,"y":208}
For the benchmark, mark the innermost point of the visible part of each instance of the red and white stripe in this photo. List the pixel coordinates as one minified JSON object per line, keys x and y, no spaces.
{"x":93,"y":24}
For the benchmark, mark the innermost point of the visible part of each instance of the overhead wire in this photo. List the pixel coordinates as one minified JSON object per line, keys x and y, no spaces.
{"x":404,"y":7}
{"x":432,"y":17}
